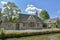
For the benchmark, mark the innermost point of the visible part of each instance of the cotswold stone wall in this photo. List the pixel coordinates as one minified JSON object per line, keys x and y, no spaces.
{"x":59,"y":24}
{"x":27,"y":26}
{"x":21,"y":26}
{"x":8,"y":26}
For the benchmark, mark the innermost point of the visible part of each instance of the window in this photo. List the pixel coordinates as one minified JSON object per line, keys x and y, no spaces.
{"x":31,"y":24}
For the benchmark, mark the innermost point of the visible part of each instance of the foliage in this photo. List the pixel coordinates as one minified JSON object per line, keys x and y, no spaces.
{"x":0,"y":21}
{"x":0,"y":17}
{"x":11,"y":10}
{"x":44,"y":25}
{"x":44,"y":15}
{"x":2,"y":34}
{"x":55,"y":25}
{"x":0,"y":14}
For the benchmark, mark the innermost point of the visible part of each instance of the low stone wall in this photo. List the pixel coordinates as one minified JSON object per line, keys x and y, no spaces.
{"x":8,"y":26}
{"x":22,"y":33}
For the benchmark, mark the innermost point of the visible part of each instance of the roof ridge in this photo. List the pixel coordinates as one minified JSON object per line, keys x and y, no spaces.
{"x":27,"y":14}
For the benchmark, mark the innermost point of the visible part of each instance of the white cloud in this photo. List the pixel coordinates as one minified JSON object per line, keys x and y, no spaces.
{"x":31,"y":9}
{"x":39,"y":10}
{"x":3,"y":2}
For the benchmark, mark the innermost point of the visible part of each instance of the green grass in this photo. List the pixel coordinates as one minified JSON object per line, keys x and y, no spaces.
{"x":39,"y":37}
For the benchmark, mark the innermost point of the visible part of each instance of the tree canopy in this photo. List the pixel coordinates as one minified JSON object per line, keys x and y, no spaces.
{"x":0,"y":12}
{"x":11,"y":10}
{"x":44,"y":15}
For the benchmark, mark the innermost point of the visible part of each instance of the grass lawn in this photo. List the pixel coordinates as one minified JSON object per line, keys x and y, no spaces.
{"x":39,"y":37}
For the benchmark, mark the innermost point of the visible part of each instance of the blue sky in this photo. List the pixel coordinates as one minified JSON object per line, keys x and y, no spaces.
{"x":52,"y":6}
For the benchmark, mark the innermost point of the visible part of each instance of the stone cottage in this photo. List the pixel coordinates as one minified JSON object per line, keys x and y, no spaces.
{"x":26,"y":21}
{"x":52,"y":22}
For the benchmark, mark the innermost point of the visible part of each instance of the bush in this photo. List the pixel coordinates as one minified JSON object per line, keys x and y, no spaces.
{"x":55,"y":25}
{"x":0,"y":21}
{"x":45,"y":25}
{"x":2,"y":34}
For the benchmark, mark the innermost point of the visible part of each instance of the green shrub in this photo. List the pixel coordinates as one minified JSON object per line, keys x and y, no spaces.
{"x":0,"y":22}
{"x":55,"y":25}
{"x":44,"y":25}
{"x":2,"y":34}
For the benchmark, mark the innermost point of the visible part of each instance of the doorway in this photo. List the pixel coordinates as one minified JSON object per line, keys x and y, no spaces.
{"x":17,"y":26}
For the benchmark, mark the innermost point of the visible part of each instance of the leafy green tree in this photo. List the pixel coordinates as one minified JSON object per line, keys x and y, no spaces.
{"x":44,"y":15}
{"x":11,"y":10}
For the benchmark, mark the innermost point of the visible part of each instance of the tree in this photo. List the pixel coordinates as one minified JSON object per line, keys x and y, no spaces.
{"x":0,"y":12}
{"x":55,"y":25}
{"x":11,"y":10}
{"x":44,"y":15}
{"x":0,"y":16}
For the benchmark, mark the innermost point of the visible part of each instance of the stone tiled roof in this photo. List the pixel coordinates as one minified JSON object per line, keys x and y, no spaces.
{"x":54,"y":20}
{"x":25,"y":17}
